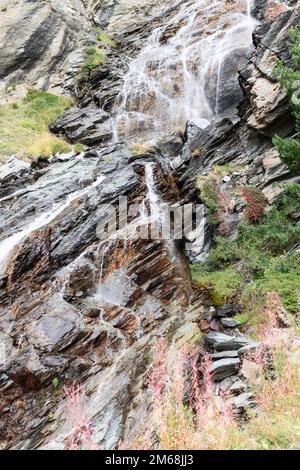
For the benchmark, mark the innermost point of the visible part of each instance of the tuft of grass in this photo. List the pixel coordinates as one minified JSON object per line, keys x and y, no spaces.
{"x":24,"y":125}
{"x":94,"y":57}
{"x":105,"y":39}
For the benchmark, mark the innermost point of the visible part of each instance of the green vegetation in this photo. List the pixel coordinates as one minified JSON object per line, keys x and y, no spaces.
{"x":261,"y":260}
{"x":94,"y":55}
{"x":55,"y":382}
{"x":24,"y":125}
{"x":289,"y":148}
{"x":273,"y":425}
{"x":209,"y":195}
{"x":93,"y":58}
{"x":216,"y":199}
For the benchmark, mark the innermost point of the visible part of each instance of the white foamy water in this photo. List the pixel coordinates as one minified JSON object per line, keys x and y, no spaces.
{"x":166,"y":84}
{"x":7,"y":245}
{"x":152,"y":197}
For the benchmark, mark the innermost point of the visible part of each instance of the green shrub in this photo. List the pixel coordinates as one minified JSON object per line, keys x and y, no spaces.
{"x":261,"y":255}
{"x":93,"y":58}
{"x":105,"y":39}
{"x":223,"y":253}
{"x":209,"y":195}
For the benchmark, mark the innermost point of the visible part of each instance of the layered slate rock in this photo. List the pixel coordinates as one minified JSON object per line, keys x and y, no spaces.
{"x":243,"y":401}
{"x":56,"y":293}
{"x":244,"y":141}
{"x":230,"y":323}
{"x":238,"y":387}
{"x":83,"y":307}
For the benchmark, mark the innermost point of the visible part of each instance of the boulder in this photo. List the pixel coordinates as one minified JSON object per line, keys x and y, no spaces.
{"x":248,"y":348}
{"x":223,"y":355}
{"x":86,"y":125}
{"x":13,"y":168}
{"x":57,"y":329}
{"x":227,"y":310}
{"x":225,"y":384}
{"x":238,"y":387}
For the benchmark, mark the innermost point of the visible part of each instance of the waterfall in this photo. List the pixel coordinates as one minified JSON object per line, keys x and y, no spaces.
{"x":168,"y":82}
{"x":8,"y":244}
{"x":249,"y":8}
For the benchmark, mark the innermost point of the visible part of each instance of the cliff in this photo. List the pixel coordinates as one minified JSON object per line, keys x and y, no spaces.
{"x":183,"y":88}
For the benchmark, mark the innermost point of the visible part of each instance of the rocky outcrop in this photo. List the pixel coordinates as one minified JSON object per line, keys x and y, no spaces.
{"x":77,"y":306}
{"x":48,"y":48}
{"x":115,"y":16}
{"x":245,"y":142}
{"x":47,"y":44}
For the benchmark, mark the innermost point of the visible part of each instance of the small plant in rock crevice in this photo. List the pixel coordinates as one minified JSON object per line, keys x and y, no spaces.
{"x":218,"y":200}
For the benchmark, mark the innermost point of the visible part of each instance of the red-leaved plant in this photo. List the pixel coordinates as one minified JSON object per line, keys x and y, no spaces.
{"x":256,"y":203}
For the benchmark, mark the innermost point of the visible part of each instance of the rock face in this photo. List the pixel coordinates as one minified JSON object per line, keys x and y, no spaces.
{"x":224,"y":368}
{"x":48,"y":48}
{"x":48,"y":42}
{"x":119,"y":15}
{"x":150,"y":82}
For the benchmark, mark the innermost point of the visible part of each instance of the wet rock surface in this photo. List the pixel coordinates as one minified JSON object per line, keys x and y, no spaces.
{"x":75,"y":302}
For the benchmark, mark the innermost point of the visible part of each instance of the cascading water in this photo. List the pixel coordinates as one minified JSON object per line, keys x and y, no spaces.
{"x":177,"y":76}
{"x":8,"y":244}
{"x":249,"y":8}
{"x":152,"y":197}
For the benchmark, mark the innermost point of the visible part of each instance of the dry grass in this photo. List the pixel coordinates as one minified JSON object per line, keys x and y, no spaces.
{"x":24,"y":125}
{"x":187,"y":416}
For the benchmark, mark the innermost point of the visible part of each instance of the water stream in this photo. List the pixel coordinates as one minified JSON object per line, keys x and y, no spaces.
{"x":8,"y":244}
